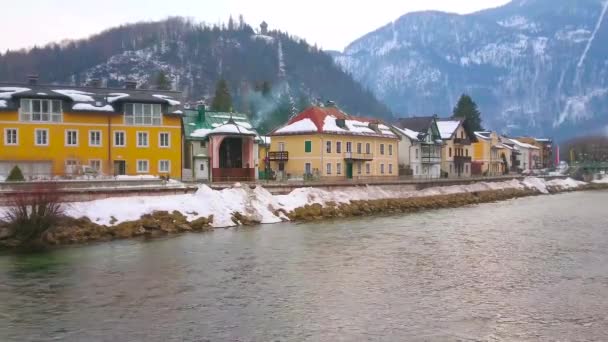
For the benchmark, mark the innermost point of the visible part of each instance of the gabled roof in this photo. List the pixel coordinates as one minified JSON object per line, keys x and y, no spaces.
{"x":484,"y":135}
{"x":332,"y":120}
{"x":524,"y":145}
{"x":216,"y":123}
{"x":448,"y":127}
{"x":417,"y":123}
{"x":86,"y":99}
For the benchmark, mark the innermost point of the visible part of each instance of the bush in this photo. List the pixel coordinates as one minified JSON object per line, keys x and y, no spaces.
{"x":34,"y":211}
{"x":15,"y":175}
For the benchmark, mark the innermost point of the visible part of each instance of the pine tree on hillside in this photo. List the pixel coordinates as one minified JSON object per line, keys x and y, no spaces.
{"x":467,"y":109}
{"x":222,"y":102}
{"x":162,"y":82}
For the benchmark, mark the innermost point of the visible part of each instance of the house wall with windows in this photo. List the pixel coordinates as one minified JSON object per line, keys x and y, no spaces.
{"x":62,"y":139}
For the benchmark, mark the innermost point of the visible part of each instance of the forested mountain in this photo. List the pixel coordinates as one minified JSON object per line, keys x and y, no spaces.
{"x":270,"y":75}
{"x":533,"y":66}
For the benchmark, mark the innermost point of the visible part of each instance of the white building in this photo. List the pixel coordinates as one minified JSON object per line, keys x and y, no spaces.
{"x":420,"y":147}
{"x":528,"y":155}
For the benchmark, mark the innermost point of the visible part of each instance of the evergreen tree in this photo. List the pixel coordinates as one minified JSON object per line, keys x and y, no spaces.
{"x":467,"y":110}
{"x":222,"y":102}
{"x":162,"y":82}
{"x":15,"y":175}
{"x":303,"y":103}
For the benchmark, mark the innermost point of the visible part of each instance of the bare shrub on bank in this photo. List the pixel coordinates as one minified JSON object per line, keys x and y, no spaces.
{"x":33,"y":211}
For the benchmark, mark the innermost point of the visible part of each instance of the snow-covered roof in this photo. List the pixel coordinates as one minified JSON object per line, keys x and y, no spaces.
{"x":169,"y":99}
{"x":93,"y":108}
{"x":7,"y":92}
{"x":2,"y":103}
{"x":523,"y":145}
{"x":483,"y":135}
{"x":407,"y":132}
{"x":112,"y":97}
{"x":447,"y":128}
{"x":266,"y":140}
{"x":332,"y":120}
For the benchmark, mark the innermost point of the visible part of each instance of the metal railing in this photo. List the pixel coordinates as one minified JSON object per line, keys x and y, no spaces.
{"x":278,"y":156}
{"x":358,"y":156}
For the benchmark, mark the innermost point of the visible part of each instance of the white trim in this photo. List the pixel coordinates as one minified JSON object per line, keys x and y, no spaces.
{"x":66,"y":138}
{"x":100,"y":164}
{"x":328,"y":169}
{"x":168,"y":139}
{"x":339,"y":169}
{"x":168,"y":164}
{"x":330,"y":146}
{"x":141,"y":114}
{"x":36,"y":136}
{"x":6,"y":143}
{"x":137,"y":165}
{"x":137,"y":144}
{"x":100,"y":137}
{"x":124,"y":134}
{"x":340,"y":142}
{"x":78,"y":124}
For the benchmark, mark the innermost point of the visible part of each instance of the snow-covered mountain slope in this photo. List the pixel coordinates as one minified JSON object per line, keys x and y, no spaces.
{"x":533,"y":66}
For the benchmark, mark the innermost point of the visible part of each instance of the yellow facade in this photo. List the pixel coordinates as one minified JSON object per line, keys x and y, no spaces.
{"x":335,"y":162}
{"x":102,"y":151}
{"x":489,"y":153}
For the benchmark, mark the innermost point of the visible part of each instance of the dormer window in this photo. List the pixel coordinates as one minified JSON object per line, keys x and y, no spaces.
{"x":40,"y":110}
{"x":143,"y":114}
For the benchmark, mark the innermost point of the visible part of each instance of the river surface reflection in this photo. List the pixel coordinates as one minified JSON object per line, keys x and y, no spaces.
{"x":527,"y":269}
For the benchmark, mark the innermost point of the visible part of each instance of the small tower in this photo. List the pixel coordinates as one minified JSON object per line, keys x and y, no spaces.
{"x":264,"y":28}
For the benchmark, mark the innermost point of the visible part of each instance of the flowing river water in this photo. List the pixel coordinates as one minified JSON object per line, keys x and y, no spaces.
{"x":522,"y":270}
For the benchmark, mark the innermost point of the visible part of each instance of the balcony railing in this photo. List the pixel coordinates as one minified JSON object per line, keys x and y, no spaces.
{"x":459,"y":141}
{"x":278,"y":156}
{"x":462,"y":159}
{"x":431,"y":159}
{"x":358,"y":156}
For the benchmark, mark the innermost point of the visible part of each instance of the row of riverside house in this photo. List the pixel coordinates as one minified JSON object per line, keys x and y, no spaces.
{"x":53,"y":131}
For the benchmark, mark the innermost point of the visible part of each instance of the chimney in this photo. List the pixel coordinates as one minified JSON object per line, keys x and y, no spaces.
{"x":32,"y":79}
{"x":201,"y":113}
{"x":130,"y":85}
{"x":95,"y":83}
{"x":330,"y":104}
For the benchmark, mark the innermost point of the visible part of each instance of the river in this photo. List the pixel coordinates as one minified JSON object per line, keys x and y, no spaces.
{"x":527,"y":269}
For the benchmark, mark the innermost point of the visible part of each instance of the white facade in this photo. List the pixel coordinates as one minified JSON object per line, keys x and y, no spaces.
{"x":422,"y":160}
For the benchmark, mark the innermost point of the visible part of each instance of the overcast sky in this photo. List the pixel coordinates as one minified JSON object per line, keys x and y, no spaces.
{"x":332,"y":24}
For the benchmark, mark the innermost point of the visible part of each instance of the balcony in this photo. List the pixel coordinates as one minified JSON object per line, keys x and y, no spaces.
{"x":280,"y":156}
{"x":431,"y":159}
{"x":462,"y":160}
{"x":459,"y":141}
{"x":358,"y":156}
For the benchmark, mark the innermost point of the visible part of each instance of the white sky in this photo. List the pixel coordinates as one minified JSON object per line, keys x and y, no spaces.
{"x":332,"y":24}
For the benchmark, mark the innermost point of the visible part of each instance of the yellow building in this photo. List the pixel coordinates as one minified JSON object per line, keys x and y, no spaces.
{"x":489,"y":155}
{"x":64,"y":131}
{"x":325,"y":143}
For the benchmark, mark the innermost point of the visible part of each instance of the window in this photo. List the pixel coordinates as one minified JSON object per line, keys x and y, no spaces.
{"x":338,"y":147}
{"x":120,"y":139}
{"x":390,"y":168}
{"x":450,"y":152}
{"x":417,"y":168}
{"x":328,"y":150}
{"x":390,"y":150}
{"x":466,"y":168}
{"x":328,"y":168}
{"x":382,"y":149}
{"x":71,"y":137}
{"x":163,"y":140}
{"x":349,"y":147}
{"x":203,"y":144}
{"x":10,"y":136}
{"x":368,"y":168}
{"x":416,"y":153}
{"x":164,"y":166}
{"x":143,"y":166}
{"x":466,"y":151}
{"x":40,"y":110}
{"x":142,"y":139}
{"x":339,"y":168}
{"x":359,"y":168}
{"x":142,"y":114}
{"x":281,"y":147}
{"x":451,"y":168}
{"x":359,"y":147}
{"x":308,"y":146}
{"x":382,"y":168}
{"x":94,"y":138}
{"x":95,"y":164}
{"x":41,"y":137}
{"x":308,"y":168}
{"x":202,"y":167}
{"x":368,"y":148}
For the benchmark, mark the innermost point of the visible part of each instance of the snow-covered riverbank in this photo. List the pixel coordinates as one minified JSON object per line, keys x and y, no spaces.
{"x":264,"y":207}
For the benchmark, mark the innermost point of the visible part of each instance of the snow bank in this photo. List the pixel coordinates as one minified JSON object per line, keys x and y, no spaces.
{"x":137,"y":177}
{"x":261,"y":205}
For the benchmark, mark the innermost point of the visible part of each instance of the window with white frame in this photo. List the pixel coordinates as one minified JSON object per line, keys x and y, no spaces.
{"x":328,"y":168}
{"x":143,"y":166}
{"x":338,"y":147}
{"x":308,"y":168}
{"x":281,"y":147}
{"x":328,"y":147}
{"x":10,"y":136}
{"x":143,"y":114}
{"x":164,"y":166}
{"x":349,"y":147}
{"x":416,"y":153}
{"x":94,"y":138}
{"x":359,"y":168}
{"x":95,"y":164}
{"x":381,"y":168}
{"x":359,"y":148}
{"x":390,"y":149}
{"x":339,"y":168}
{"x":41,"y":137}
{"x":390,"y":169}
{"x":164,"y":140}
{"x":38,"y":110}
{"x":368,"y":168}
{"x":382,"y":149}
{"x":120,"y":139}
{"x":142,"y":139}
{"x":71,"y":137}
{"x":368,"y":148}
